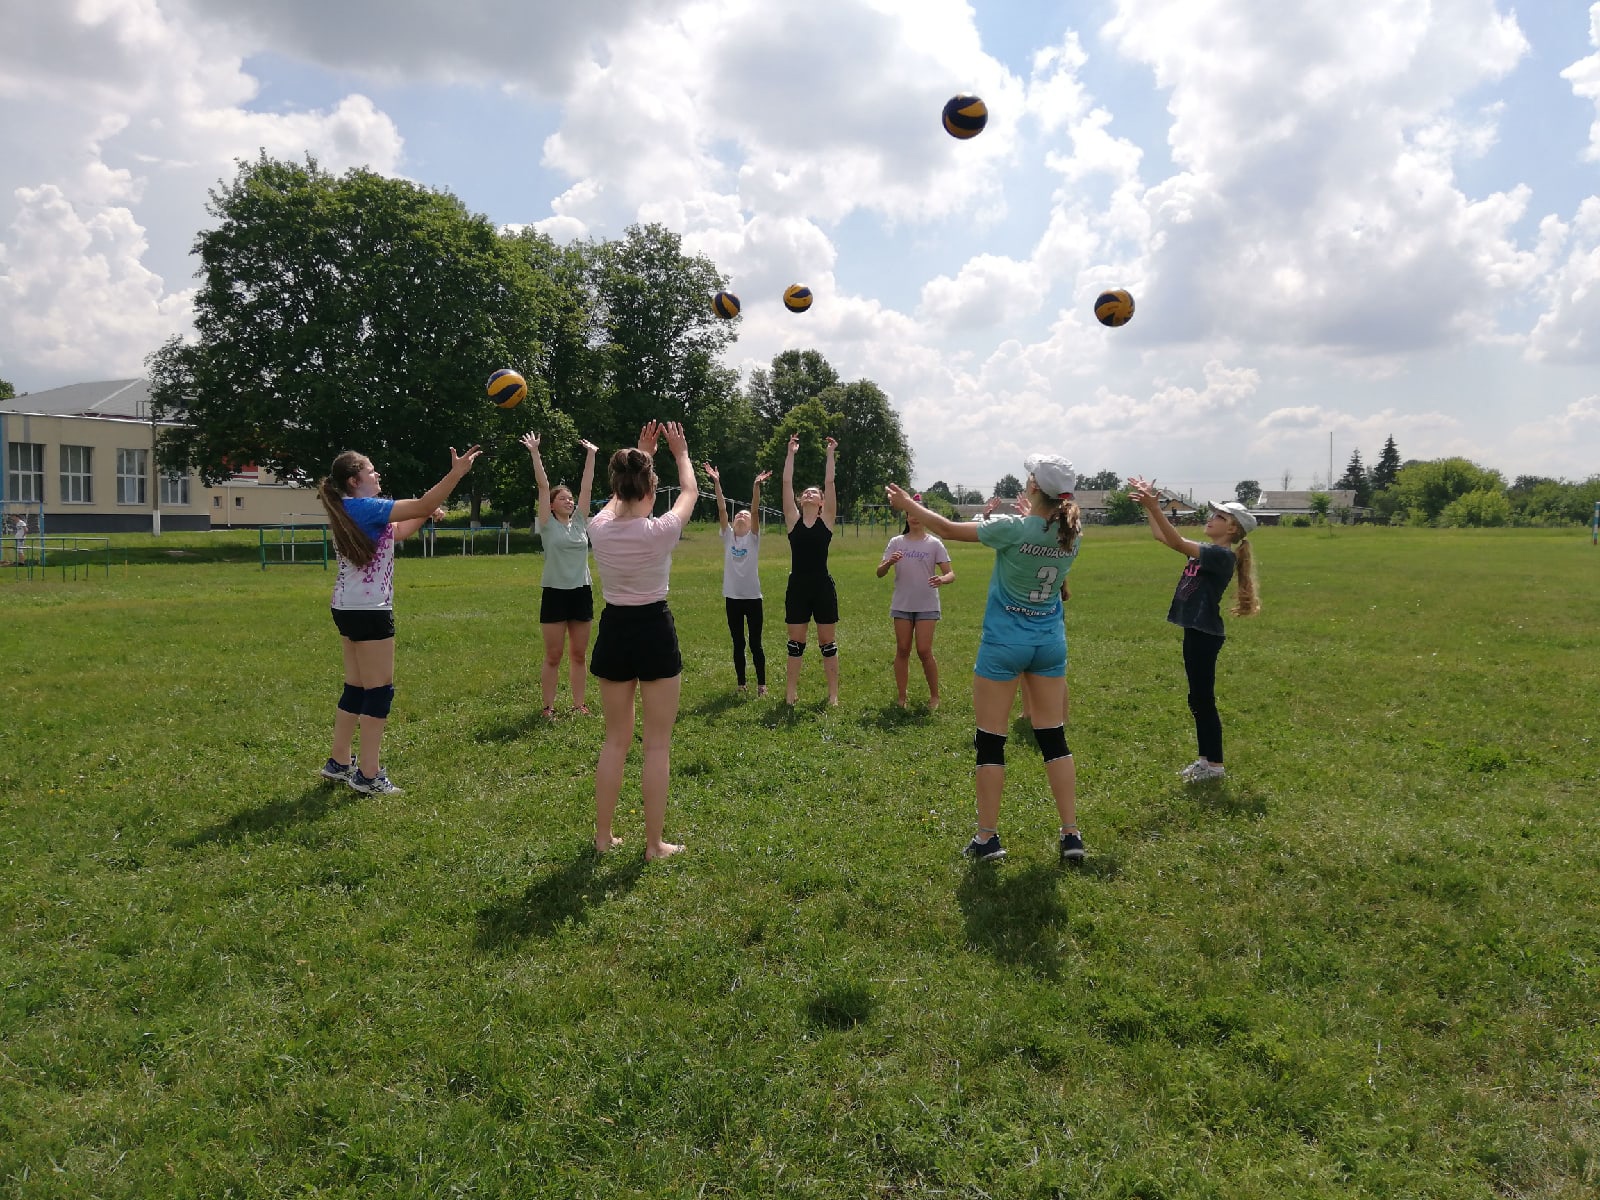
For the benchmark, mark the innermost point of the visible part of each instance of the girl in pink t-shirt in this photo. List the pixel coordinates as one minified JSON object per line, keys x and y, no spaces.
{"x":636,"y":648}
{"x":921,"y":567}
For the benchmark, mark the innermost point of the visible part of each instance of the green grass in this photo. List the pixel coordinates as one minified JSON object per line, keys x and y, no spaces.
{"x":1365,"y":964}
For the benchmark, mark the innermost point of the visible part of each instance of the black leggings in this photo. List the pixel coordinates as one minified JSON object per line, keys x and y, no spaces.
{"x":741,"y":612}
{"x":1200,"y":652}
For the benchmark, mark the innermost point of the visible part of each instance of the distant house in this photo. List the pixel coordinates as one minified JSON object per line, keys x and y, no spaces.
{"x":1272,"y":507}
{"x":84,"y":457}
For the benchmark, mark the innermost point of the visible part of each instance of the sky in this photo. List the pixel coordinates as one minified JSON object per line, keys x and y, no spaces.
{"x":1341,"y":220}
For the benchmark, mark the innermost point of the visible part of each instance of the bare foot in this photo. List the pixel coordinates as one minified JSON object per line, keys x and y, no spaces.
{"x":664,"y":850}
{"x":901,"y":701}
{"x":833,"y":702}
{"x":583,"y":708}
{"x":791,"y":701}
{"x":604,"y":845}
{"x":933,"y":704}
{"x":549,"y":714}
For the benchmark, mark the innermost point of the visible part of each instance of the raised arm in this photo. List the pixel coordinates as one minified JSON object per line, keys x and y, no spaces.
{"x":942,"y":527}
{"x":404,"y":529}
{"x":531,"y":441}
{"x":722,"y":504}
{"x":791,"y":511}
{"x":830,"y":498}
{"x":689,"y":487}
{"x":434,"y":497}
{"x":586,"y":482}
{"x":1144,"y":494}
{"x":755,"y":502}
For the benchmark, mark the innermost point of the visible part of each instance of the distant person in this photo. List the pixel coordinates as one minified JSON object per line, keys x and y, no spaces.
{"x":1197,"y":608}
{"x":365,"y":528}
{"x":1023,"y":640}
{"x":636,"y":649}
{"x":19,"y":528}
{"x":741,"y":578}
{"x":811,"y":595}
{"x":921,"y":567}
{"x":566,"y":599}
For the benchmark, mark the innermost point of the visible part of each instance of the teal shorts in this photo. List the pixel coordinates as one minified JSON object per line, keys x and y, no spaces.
{"x":1004,"y":661}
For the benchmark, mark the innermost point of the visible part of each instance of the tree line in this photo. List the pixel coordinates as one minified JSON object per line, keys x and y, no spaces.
{"x":361,"y":312}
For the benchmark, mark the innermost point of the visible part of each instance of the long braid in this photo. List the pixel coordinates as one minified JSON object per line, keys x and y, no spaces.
{"x":1246,"y":597}
{"x":348,"y":537}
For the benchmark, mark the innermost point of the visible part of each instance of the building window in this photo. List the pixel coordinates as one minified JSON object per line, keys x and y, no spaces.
{"x":216,"y":502}
{"x":238,"y":501}
{"x":130,"y":476}
{"x":77,"y":475}
{"x":174,"y":489}
{"x":25,"y":472}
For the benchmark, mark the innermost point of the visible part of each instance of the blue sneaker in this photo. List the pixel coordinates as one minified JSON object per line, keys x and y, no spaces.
{"x":1072,"y":847}
{"x":989,"y":851}
{"x":337,"y":771}
{"x":378,"y":785}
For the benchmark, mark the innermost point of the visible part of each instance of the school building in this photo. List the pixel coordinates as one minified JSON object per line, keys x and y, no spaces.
{"x":84,"y":457}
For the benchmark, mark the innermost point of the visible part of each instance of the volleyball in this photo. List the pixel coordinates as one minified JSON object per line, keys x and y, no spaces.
{"x":965,"y":116}
{"x":507,"y":388}
{"x":725,"y":305}
{"x":1114,"y":308}
{"x":797,"y":298}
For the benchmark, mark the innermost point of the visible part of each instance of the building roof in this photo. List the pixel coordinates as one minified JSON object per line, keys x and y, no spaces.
{"x":1300,"y":502}
{"x":108,"y":398}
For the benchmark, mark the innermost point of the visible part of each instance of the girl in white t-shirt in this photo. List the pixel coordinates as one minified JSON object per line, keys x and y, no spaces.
{"x":921,"y":567}
{"x":741,"y":577}
{"x":365,"y":528}
{"x":636,"y":648}
{"x":566,"y":601}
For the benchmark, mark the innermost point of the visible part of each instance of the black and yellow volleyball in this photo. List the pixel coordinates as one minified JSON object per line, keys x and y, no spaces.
{"x":725,"y":305}
{"x":507,"y":388}
{"x":965,"y":116}
{"x":1114,"y":308}
{"x":797,"y":297}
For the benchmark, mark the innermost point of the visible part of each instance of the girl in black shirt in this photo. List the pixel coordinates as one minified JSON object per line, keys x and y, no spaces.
{"x":810,"y":595}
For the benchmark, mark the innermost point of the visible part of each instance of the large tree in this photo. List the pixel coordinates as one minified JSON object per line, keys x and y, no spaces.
{"x":1423,"y":490}
{"x":1247,"y":491}
{"x":1008,"y":487}
{"x":1356,"y":479}
{"x":1387,"y":469}
{"x":1101,"y":481}
{"x":7,"y":391}
{"x":794,"y":377}
{"x":349,"y":312}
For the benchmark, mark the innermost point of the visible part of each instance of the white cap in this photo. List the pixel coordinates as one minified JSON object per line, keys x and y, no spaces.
{"x":1241,"y":514}
{"x":1052,"y":473}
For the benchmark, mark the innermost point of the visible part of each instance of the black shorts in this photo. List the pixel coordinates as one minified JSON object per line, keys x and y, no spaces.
{"x":364,"y":624}
{"x":559,"y":605}
{"x":811,"y":598}
{"x":636,"y":641}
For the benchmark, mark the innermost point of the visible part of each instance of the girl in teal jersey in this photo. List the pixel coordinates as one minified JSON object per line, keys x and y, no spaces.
{"x":1023,"y":641}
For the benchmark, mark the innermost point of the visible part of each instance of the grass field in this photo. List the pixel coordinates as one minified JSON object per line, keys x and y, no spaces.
{"x":1365,"y":964}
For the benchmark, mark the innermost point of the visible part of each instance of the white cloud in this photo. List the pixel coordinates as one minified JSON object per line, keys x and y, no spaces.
{"x":1569,"y":329}
{"x":1584,"y":76}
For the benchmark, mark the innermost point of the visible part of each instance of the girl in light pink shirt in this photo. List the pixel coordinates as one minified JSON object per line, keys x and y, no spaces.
{"x":636,"y":649}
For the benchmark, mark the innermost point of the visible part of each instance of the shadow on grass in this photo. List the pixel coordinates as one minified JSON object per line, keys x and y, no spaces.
{"x":891,"y":716}
{"x":842,"y":1005}
{"x":787,"y":716}
{"x":565,"y":895}
{"x":721,"y":702}
{"x":316,"y":802}
{"x":1219,"y":798}
{"x":1016,"y":915}
{"x":514,"y":728}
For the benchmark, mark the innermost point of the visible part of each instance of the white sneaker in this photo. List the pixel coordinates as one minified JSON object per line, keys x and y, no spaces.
{"x":378,"y":785}
{"x":1200,"y":770}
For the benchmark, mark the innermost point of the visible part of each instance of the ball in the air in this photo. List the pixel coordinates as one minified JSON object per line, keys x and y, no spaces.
{"x":797,"y":298}
{"x":507,"y":388}
{"x":725,"y":305}
{"x":1114,"y":308}
{"x":965,"y":116}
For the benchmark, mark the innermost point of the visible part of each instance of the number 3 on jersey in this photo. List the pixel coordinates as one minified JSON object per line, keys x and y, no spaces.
{"x":1047,"y":584}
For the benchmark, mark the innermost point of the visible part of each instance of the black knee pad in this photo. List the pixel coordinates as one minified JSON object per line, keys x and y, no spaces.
{"x":829,"y":649}
{"x":796,"y":649}
{"x":991,"y":748}
{"x":350,"y":699}
{"x":1052,"y":743}
{"x":378,"y":701}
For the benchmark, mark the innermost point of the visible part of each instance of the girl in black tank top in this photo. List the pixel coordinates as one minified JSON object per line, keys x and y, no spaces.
{"x":810,"y":596}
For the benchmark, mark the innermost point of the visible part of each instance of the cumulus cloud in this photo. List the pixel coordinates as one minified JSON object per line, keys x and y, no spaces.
{"x":119,"y":119}
{"x":1584,"y":76}
{"x":1567,"y":331}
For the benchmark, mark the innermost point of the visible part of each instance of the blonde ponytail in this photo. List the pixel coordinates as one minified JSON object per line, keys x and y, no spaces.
{"x":348,"y":537}
{"x":1246,"y":596}
{"x":1071,"y":524}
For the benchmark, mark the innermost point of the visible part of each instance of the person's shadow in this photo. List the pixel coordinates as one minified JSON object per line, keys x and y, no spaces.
{"x":564,"y":895}
{"x":1016,"y":915}
{"x":316,"y":802}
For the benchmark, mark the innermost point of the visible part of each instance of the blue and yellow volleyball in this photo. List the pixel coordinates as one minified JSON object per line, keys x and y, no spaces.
{"x":725,"y":305}
{"x":965,"y":116}
{"x":507,"y":388}
{"x":1114,"y":308}
{"x":797,"y":297}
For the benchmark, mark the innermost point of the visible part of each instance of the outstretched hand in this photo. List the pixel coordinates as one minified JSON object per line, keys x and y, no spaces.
{"x":898,"y":497}
{"x":588,"y":446}
{"x":712,"y":473}
{"x":1142,"y":490}
{"x":460,"y":464}
{"x":763,"y":477}
{"x":677,"y":440}
{"x":833,"y":444}
{"x":650,"y":437}
{"x":531,"y":441}
{"x":794,"y":444}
